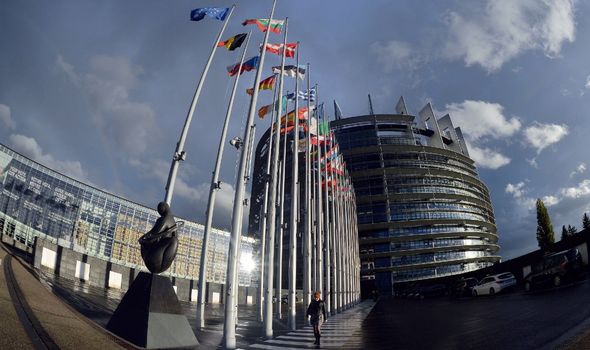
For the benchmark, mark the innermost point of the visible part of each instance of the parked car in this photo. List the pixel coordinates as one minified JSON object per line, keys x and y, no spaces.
{"x":494,"y":284}
{"x":463,"y":286}
{"x":434,"y":290}
{"x":554,"y":269}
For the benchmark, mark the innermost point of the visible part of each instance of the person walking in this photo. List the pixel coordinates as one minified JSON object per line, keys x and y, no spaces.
{"x":316,"y":313}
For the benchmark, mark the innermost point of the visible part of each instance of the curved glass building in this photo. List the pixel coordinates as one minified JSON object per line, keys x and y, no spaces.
{"x":37,"y":202}
{"x":422,"y":210}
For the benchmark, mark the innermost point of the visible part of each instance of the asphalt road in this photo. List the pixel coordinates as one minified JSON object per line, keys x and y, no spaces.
{"x":546,"y":318}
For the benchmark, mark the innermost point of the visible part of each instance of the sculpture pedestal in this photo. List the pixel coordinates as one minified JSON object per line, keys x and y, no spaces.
{"x":150,"y":315}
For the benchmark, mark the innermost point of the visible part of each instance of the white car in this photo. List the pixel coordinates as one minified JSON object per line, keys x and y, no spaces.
{"x":494,"y":284}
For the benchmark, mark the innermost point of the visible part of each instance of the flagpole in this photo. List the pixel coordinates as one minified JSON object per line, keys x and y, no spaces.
{"x":281,"y":225}
{"x":215,"y":186}
{"x":272,"y":203}
{"x":307,"y":241}
{"x":229,"y":329}
{"x":294,"y":205}
{"x":179,"y":154}
{"x":334,"y":251}
{"x":340,"y":246}
{"x":327,"y":243}
{"x":319,"y":221}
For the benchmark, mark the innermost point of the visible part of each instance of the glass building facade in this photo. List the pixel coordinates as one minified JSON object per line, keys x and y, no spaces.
{"x":422,"y":210}
{"x":36,"y":201}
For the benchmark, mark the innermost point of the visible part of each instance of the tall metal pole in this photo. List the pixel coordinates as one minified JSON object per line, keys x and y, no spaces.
{"x":229,"y":329}
{"x":179,"y":154}
{"x":215,"y":186}
{"x":294,"y":205}
{"x":327,"y":230}
{"x":334,"y":252}
{"x":308,"y":216}
{"x":272,"y":205}
{"x":263,"y":228}
{"x":281,"y":228}
{"x":319,"y":222}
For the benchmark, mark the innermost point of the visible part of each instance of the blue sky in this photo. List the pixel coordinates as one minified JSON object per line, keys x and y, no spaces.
{"x":100,"y":90}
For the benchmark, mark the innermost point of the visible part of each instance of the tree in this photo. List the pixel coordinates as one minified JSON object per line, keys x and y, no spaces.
{"x":585,"y":221}
{"x":572,"y":230}
{"x":564,"y":233}
{"x":545,"y":234}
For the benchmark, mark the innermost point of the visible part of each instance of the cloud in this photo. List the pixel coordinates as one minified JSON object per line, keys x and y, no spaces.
{"x":581,"y":168}
{"x":128,"y":124}
{"x":394,"y":54}
{"x":581,"y":190}
{"x":479,"y":119}
{"x":6,"y":118}
{"x":587,"y":85}
{"x":541,"y":136}
{"x":517,"y":190}
{"x":487,"y":158}
{"x":29,"y":147}
{"x":505,"y":28}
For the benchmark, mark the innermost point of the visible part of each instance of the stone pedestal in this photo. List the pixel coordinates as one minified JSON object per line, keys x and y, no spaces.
{"x":150,"y":315}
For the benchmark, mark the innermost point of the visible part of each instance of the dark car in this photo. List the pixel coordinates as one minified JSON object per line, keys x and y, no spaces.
{"x":431,"y":291}
{"x":554,"y":269}
{"x":463,"y":286}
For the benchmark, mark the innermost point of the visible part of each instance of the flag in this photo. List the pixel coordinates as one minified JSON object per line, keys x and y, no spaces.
{"x":319,"y":140}
{"x":250,"y":64}
{"x":266,"y":84}
{"x":303,"y":95}
{"x":234,"y":42}
{"x":301,"y":145}
{"x":277,"y":49}
{"x":323,"y":128}
{"x":291,"y":71}
{"x":263,"y":111}
{"x":290,"y":117}
{"x":337,"y":111}
{"x":214,"y":12}
{"x":275,"y":25}
{"x":310,"y":94}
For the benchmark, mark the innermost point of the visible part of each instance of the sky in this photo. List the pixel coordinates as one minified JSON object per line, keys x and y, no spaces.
{"x":99,"y":90}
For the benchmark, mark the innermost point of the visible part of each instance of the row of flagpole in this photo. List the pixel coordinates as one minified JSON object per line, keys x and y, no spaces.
{"x":328,"y":213}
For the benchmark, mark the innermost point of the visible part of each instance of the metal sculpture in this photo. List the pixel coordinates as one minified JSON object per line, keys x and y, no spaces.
{"x":160,"y":244}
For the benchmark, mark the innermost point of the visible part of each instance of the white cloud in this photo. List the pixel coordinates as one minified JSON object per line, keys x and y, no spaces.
{"x":479,"y":119}
{"x":581,"y":190}
{"x":29,"y":147}
{"x":6,"y":118}
{"x":581,"y":168}
{"x":487,"y":158}
{"x":394,"y":54}
{"x":517,"y":190}
{"x":128,"y":124}
{"x":587,"y":85}
{"x":541,"y":136}
{"x":506,"y":28}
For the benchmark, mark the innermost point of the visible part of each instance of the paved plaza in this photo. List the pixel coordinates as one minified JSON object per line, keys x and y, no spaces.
{"x":45,"y":312}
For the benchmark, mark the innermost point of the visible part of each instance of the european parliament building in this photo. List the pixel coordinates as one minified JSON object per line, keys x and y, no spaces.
{"x":39,"y":206}
{"x":422,"y":210}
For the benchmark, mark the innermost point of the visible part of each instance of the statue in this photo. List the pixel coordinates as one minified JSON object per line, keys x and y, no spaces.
{"x":159,"y":245}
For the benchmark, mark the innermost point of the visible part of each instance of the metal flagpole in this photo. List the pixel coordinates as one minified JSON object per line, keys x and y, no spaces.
{"x":319,"y":227}
{"x":215,"y":186}
{"x":179,"y":154}
{"x":335,"y":250}
{"x":281,"y":225}
{"x":340,"y":243}
{"x":263,"y":228}
{"x":327,"y":298}
{"x":294,"y":205}
{"x":308,"y":215}
{"x":272,"y":204}
{"x":229,"y":329}
{"x":348,"y":247}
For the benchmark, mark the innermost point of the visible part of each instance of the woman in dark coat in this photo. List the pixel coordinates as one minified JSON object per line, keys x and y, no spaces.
{"x":316,"y":313}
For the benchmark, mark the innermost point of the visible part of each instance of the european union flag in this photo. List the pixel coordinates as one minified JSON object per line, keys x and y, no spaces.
{"x":214,"y":12}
